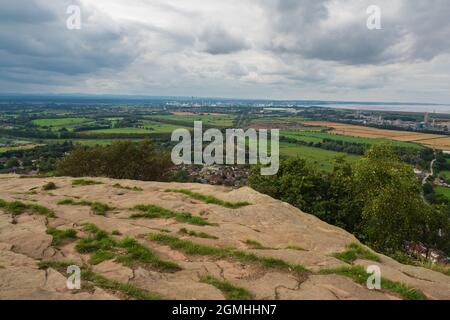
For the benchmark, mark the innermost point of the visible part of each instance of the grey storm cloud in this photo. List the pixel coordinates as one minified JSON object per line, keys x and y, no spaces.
{"x":420,"y":30}
{"x":219,"y":41}
{"x":276,"y":47}
{"x":33,"y":35}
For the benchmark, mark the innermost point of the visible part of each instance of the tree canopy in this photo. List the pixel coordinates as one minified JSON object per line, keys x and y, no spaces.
{"x":378,"y":198}
{"x":121,"y":160}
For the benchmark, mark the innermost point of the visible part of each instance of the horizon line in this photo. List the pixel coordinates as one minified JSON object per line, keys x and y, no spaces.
{"x":180,"y":97}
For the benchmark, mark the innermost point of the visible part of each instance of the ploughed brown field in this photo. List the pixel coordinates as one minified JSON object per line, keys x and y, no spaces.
{"x":436,"y":141}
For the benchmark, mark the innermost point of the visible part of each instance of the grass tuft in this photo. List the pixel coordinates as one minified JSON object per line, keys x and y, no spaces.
{"x":155,"y":212}
{"x":100,"y":256}
{"x":125,"y":288}
{"x":193,"y":233}
{"x":255,"y":244}
{"x":61,"y":235}
{"x":210,"y":199}
{"x":419,"y":261}
{"x":98,"y":208}
{"x":189,"y":247}
{"x":359,"y":275}
{"x":98,"y":241}
{"x":49,"y":186}
{"x":83,"y":182}
{"x":296,"y":247}
{"x":119,"y":186}
{"x":137,"y":253}
{"x":128,"y":251}
{"x":98,"y":280}
{"x":17,"y":208}
{"x":230,"y":291}
{"x":356,"y":251}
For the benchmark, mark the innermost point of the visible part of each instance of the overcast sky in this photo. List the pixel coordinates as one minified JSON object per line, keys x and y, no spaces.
{"x":277,"y":49}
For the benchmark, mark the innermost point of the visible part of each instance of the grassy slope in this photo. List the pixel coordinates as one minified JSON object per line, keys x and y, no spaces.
{"x":323,"y":159}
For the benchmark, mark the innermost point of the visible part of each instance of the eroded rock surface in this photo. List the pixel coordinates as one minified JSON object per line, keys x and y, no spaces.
{"x":284,"y":232}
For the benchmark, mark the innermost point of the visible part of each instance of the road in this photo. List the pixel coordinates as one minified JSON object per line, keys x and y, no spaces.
{"x":431,"y":173}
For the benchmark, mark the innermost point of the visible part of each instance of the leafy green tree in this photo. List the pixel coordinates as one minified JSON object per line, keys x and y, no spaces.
{"x":11,"y":163}
{"x":342,"y":210}
{"x":378,"y":199}
{"x":389,"y":194}
{"x":296,"y":183}
{"x":121,"y":160}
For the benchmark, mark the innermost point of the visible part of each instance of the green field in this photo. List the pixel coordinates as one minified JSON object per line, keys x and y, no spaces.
{"x":120,"y":131}
{"x":217,"y":120}
{"x":310,"y":136}
{"x":323,"y":159}
{"x":445,"y":173}
{"x":146,"y":127}
{"x":60,"y":122}
{"x":84,"y":142}
{"x":444,"y":191}
{"x":15,"y":148}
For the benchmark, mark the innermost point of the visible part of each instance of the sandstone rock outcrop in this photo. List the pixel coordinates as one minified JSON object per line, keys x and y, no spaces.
{"x":283,"y":231}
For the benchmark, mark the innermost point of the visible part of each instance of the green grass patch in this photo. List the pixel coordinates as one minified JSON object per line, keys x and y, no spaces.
{"x":254,"y":244}
{"x":210,"y":199}
{"x":193,"y":233}
{"x":296,"y":247}
{"x":99,"y":244}
{"x":59,"y":122}
{"x":128,"y":251}
{"x":98,"y":280}
{"x":359,"y":275}
{"x":443,"y":191}
{"x":125,"y":288}
{"x":98,"y":208}
{"x":189,"y":247}
{"x":61,"y":235}
{"x":17,"y":208}
{"x":356,"y":251}
{"x":49,"y":186}
{"x":71,"y":202}
{"x":214,"y":120}
{"x":139,"y":254}
{"x":315,"y":136}
{"x":324,"y":160}
{"x":155,"y":212}
{"x":83,"y":182}
{"x":444,"y":269}
{"x":230,"y":291}
{"x":129,"y":130}
{"x":100,"y":256}
{"x":119,"y":186}
{"x":419,"y":261}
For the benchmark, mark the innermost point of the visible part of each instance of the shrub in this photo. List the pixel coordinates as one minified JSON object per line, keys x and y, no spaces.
{"x":49,"y":186}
